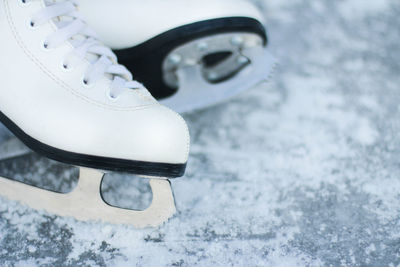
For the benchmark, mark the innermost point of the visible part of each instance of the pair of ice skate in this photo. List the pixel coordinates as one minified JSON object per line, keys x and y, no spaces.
{"x":65,"y":96}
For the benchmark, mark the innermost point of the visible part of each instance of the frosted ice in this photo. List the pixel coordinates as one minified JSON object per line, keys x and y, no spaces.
{"x":303,"y":171}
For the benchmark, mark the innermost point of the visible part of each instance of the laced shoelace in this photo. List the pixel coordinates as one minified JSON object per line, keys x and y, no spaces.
{"x":86,"y":45}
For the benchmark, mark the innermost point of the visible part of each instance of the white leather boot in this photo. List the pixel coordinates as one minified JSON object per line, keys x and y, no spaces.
{"x":65,"y":96}
{"x":189,"y":53}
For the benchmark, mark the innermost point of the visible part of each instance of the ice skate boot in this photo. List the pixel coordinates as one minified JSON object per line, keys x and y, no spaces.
{"x":189,"y":53}
{"x":64,"y":95}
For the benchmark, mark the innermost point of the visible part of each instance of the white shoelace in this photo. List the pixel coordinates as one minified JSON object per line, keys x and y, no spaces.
{"x":73,"y":29}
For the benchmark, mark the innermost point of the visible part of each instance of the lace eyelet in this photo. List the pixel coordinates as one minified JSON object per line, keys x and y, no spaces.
{"x":24,"y":3}
{"x":65,"y":67}
{"x":32,"y":24}
{"x":46,"y":47}
{"x":111,"y":97}
{"x":86,"y":83}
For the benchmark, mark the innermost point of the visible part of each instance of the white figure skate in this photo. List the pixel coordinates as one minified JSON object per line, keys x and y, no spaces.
{"x":190,"y":53}
{"x":64,"y":96}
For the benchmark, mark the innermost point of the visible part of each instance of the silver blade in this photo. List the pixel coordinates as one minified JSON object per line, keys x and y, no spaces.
{"x":85,"y":203}
{"x":189,"y":97}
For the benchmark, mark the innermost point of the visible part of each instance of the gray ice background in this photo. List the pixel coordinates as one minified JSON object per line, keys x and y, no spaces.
{"x":302,"y":171}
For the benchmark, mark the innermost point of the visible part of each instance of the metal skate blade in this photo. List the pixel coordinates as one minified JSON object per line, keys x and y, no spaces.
{"x":195,"y":92}
{"x":85,"y":203}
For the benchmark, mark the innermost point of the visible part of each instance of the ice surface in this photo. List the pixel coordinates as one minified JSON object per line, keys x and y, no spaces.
{"x":303,"y":171}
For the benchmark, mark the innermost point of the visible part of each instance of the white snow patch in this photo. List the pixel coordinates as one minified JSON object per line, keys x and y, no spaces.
{"x":364,"y":133}
{"x":371,"y":248}
{"x":359,"y":8}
